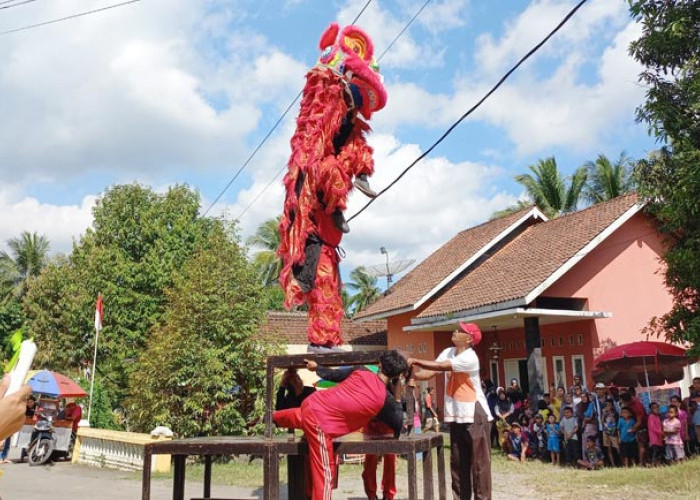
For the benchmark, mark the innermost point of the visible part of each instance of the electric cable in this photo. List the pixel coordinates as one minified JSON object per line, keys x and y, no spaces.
{"x":73,"y":16}
{"x":267,"y":136}
{"x":477,"y":105}
{"x":391,"y":44}
{"x":14,"y":4}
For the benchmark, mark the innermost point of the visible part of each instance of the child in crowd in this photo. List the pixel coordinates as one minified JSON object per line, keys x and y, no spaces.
{"x":552,"y":431}
{"x":628,"y":438}
{"x":538,"y":441}
{"x":672,"y":432}
{"x":656,"y":434}
{"x":517,"y":443}
{"x":569,"y":429}
{"x":592,"y":457}
{"x":543,"y":410}
{"x":683,"y":417}
{"x":610,"y":439}
{"x":590,"y":429}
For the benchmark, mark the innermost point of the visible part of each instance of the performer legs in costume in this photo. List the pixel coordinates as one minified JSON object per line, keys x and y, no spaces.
{"x":360,"y":397}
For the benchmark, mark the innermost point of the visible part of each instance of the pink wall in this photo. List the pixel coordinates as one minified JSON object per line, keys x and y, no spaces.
{"x":624,"y":276}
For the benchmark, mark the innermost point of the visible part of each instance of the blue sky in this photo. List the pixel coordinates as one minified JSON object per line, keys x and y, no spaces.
{"x":164,"y":92}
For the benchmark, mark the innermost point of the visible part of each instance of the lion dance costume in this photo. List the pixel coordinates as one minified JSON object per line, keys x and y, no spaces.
{"x":329,"y":151}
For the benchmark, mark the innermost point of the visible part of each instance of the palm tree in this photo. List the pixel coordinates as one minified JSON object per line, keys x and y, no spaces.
{"x":608,"y":180}
{"x":511,"y":209}
{"x":549,"y":190}
{"x":28,"y":256}
{"x":268,"y":264}
{"x":365,"y":287}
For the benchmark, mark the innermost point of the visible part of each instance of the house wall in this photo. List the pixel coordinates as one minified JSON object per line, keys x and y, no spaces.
{"x":566,"y":340}
{"x":623,"y":275}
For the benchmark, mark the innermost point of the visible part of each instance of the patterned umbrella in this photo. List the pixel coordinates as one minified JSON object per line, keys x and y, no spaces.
{"x":54,"y":384}
{"x":643,"y":363}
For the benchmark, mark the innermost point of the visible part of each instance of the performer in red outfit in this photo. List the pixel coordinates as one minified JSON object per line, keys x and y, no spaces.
{"x":369,"y":468}
{"x":329,"y":150}
{"x":360,"y":397}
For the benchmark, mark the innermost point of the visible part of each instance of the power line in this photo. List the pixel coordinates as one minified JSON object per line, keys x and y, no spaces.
{"x":473,"y":108}
{"x":73,"y":16}
{"x":391,"y":44}
{"x":14,"y":4}
{"x":267,"y":136}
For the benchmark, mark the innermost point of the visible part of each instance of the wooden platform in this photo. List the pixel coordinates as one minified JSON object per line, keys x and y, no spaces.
{"x":270,"y":447}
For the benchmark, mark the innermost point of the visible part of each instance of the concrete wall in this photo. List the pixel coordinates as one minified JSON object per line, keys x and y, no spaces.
{"x":115,"y":450}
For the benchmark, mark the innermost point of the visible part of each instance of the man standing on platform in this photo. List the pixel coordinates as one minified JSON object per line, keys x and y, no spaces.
{"x":360,"y":397}
{"x":466,"y":410}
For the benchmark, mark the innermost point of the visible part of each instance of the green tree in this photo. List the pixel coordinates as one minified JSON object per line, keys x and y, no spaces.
{"x":669,"y":50}
{"x":551,"y":192}
{"x":364,"y":287}
{"x":266,"y":260}
{"x":28,"y":256}
{"x":138,"y":243}
{"x":11,"y":319}
{"x":203,"y":370}
{"x":607,"y":180}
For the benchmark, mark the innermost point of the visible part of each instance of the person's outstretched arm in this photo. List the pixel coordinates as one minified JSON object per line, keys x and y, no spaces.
{"x":12,"y":408}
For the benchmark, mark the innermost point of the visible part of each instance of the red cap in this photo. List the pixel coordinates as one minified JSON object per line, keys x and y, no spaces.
{"x":473,"y":330}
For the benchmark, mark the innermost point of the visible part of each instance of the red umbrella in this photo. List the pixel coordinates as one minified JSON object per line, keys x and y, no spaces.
{"x":647,"y":363}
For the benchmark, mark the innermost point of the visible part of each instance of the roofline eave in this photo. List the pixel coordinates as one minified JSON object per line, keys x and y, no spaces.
{"x":384,"y":314}
{"x":520,"y":311}
{"x":533,"y":212}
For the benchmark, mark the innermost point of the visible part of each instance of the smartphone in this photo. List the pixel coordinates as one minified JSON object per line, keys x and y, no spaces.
{"x":18,"y":375}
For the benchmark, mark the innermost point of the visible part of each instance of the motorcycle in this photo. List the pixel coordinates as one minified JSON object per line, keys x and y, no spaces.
{"x":43,"y":442}
{"x":46,"y":436}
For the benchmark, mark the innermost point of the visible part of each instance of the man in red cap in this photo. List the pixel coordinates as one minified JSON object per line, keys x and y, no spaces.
{"x":466,"y":410}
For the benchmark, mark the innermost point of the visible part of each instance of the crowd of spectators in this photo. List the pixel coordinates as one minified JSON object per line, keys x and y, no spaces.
{"x":608,"y":426}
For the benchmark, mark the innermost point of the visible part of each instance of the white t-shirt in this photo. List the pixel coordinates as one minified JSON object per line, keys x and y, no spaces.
{"x":463,"y":386}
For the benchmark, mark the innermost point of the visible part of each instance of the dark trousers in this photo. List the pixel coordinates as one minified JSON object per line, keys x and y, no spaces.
{"x":571,"y":448}
{"x":470,"y":458}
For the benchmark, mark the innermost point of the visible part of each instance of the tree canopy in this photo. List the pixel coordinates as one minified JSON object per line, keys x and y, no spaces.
{"x":202,"y":371}
{"x":138,"y":246}
{"x":364,"y":287}
{"x":670,"y":53}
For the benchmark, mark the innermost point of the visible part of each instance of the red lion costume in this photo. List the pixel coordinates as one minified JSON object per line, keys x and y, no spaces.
{"x":328,"y":150}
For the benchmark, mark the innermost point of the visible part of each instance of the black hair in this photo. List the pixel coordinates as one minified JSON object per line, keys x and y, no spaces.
{"x":392,"y":363}
{"x":32,"y":397}
{"x":591,"y":439}
{"x":632,"y":391}
{"x":626,"y":408}
{"x":541,"y":405}
{"x":568,"y":408}
{"x":626,"y":397}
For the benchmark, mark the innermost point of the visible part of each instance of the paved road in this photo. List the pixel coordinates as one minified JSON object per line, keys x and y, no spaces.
{"x":63,"y":480}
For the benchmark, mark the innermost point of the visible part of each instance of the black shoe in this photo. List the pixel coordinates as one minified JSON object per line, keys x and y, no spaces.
{"x":362,"y":184}
{"x":339,"y":221}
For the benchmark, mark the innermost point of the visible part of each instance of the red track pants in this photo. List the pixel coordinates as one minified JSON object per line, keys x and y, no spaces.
{"x":369,"y":476}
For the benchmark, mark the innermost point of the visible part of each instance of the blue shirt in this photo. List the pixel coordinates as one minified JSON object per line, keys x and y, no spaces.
{"x":624,"y":426}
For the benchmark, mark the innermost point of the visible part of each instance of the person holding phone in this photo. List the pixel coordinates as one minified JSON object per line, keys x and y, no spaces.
{"x":12,"y":408}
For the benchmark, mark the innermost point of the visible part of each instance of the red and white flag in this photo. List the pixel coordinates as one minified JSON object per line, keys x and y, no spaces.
{"x":98,"y":313}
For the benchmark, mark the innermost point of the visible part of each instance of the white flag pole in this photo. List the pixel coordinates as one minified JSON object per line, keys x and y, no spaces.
{"x":98,"y":328}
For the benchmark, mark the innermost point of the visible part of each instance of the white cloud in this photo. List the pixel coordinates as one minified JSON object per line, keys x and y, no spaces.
{"x":59,"y":223}
{"x":133,"y":90}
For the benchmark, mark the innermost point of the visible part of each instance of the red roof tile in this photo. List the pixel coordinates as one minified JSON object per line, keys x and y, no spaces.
{"x":292,"y":327}
{"x":529,"y":259}
{"x":425,"y":276}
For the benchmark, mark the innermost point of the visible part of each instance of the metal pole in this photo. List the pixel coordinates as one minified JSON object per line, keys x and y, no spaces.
{"x":646,"y":375}
{"x":92,"y":375}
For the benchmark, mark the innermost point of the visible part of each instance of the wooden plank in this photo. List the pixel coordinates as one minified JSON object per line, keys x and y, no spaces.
{"x":146,"y":476}
{"x":442,"y":490}
{"x":207,"y":476}
{"x":428,"y":475}
{"x":179,"y":477}
{"x":412,"y":482}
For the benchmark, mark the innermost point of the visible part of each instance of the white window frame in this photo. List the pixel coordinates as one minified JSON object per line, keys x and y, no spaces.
{"x":583,"y":366}
{"x":564,"y":382}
